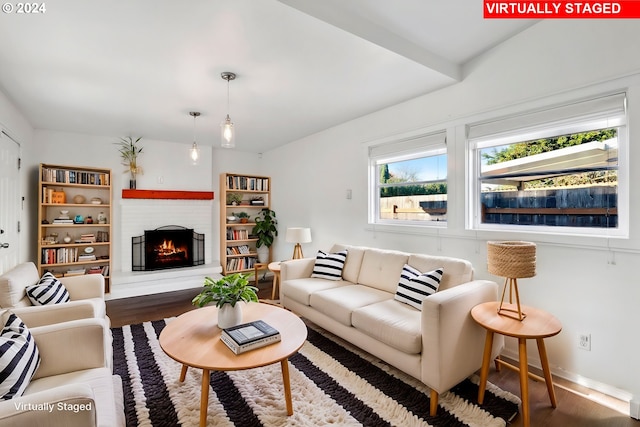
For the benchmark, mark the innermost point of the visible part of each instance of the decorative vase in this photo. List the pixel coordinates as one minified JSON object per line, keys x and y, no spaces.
{"x":132,"y":182}
{"x":263,"y":254}
{"x":229,"y":316}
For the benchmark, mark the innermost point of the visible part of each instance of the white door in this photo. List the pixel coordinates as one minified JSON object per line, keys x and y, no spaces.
{"x":9,"y":202}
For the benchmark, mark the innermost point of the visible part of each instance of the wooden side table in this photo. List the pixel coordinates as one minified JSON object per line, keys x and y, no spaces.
{"x":274,"y":267}
{"x":257,"y":267}
{"x":537,"y":325}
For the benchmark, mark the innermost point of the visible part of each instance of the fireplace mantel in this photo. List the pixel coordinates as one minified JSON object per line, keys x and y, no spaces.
{"x":167,"y":194}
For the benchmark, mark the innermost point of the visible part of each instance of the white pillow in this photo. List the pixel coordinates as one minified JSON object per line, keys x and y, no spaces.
{"x":47,"y":291}
{"x":329,"y":265}
{"x":19,"y":356}
{"x":414,"y":286}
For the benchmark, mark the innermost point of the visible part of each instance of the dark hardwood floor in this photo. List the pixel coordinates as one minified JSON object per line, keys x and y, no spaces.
{"x":577,"y":406}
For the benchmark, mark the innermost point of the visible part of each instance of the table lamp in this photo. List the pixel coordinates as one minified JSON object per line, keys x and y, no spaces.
{"x":298,"y":235}
{"x":513,"y":261}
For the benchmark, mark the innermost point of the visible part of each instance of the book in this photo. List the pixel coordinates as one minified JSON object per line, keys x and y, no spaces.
{"x":249,"y":336}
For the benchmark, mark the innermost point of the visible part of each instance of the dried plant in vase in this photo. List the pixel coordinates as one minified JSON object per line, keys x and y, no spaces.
{"x":129,"y":151}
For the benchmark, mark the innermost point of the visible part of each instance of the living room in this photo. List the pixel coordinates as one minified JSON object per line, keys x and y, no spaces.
{"x":587,"y":282}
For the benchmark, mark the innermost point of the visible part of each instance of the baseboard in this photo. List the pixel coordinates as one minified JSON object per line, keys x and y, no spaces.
{"x":612,"y":397}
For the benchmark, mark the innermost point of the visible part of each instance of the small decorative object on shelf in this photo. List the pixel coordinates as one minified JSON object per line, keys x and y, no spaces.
{"x":79,"y":199}
{"x":67,"y":238}
{"x":242,"y":216}
{"x":102,"y":218}
{"x":79,"y":219}
{"x":96,"y":201}
{"x":89,"y":220}
{"x":129,"y":152}
{"x":234,"y":199}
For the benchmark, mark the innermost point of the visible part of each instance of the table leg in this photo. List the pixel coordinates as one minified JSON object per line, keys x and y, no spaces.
{"x":547,"y":372}
{"x":204,"y":397}
{"x":275,"y":285}
{"x":287,"y":385}
{"x":183,"y":373}
{"x":524,"y":380}
{"x":486,"y":361}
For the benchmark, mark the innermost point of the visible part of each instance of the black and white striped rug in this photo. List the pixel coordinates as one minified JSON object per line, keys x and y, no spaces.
{"x":332,"y":383}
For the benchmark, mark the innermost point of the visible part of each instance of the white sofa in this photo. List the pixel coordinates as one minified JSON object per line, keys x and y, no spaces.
{"x":440,"y":345}
{"x":74,"y":384}
{"x":86,"y":293}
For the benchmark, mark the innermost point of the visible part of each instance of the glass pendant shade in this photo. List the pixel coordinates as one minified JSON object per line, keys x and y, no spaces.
{"x":228,"y":133}
{"x":194,"y":153}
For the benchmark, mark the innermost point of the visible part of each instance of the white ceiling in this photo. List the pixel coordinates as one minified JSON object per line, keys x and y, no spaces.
{"x":137,"y":67}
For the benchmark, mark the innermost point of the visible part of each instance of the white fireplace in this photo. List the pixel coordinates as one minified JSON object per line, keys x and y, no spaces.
{"x":138,"y":215}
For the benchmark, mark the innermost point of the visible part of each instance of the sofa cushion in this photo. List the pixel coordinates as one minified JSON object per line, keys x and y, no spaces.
{"x":381,"y":268}
{"x":339,"y":303}
{"x":414,"y":286}
{"x":351,"y":269}
{"x":103,"y":387}
{"x":456,"y":270}
{"x":329,"y":265}
{"x":14,"y":282}
{"x":300,"y":290}
{"x":19,"y":356}
{"x":47,"y":291}
{"x":390,"y":322}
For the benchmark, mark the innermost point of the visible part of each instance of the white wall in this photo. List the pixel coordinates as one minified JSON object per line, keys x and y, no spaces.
{"x":588,"y":287}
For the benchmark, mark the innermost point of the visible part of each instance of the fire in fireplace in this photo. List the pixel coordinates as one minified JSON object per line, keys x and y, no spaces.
{"x":167,"y":247}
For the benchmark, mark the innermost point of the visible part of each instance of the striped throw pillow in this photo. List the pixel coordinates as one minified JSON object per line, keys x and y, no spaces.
{"x":48,"y":290}
{"x":329,"y":265}
{"x":19,"y":356}
{"x":414,"y":286}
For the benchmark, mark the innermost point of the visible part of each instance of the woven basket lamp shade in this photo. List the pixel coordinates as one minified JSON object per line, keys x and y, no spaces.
{"x":513,"y":261}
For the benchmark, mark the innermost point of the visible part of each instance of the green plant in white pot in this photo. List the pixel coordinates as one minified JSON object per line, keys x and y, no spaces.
{"x":225,"y":293}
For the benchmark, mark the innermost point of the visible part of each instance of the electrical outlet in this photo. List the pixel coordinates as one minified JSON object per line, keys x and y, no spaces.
{"x":584,"y":341}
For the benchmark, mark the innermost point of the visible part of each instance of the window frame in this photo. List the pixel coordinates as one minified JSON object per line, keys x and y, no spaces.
{"x":598,"y":112}
{"x":417,"y":147}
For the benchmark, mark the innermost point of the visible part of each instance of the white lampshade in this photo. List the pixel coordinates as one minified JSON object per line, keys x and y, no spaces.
{"x":298,"y":235}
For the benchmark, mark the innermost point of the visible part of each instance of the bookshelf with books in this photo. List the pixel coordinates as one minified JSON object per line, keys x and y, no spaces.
{"x":74,"y":221}
{"x":240,"y":193}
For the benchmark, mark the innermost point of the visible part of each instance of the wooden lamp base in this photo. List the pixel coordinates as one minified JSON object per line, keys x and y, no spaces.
{"x":503,"y":310}
{"x":297,"y":252}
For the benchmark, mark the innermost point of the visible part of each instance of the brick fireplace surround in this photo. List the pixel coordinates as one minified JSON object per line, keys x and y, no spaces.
{"x":150,"y":209}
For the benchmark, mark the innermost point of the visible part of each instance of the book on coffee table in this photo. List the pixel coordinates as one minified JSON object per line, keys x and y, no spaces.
{"x":249,"y":336}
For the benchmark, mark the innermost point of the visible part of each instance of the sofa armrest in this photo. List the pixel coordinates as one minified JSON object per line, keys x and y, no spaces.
{"x":452,"y":342}
{"x":85,"y":286}
{"x":296,"y":268}
{"x":72,"y":346}
{"x":66,"y":405}
{"x":41,"y":315}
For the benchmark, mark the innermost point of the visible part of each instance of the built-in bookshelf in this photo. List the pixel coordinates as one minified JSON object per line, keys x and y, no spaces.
{"x":74,"y":217}
{"x":240,"y":193}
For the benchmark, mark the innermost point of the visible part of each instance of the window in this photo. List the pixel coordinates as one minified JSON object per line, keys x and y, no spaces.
{"x":557,"y":170}
{"x":409,"y":181}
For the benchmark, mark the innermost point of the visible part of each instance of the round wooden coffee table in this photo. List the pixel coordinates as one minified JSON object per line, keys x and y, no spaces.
{"x":193,"y":339}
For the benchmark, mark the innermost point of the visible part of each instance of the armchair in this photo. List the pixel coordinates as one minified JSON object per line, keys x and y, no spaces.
{"x":70,"y":388}
{"x":86,"y":293}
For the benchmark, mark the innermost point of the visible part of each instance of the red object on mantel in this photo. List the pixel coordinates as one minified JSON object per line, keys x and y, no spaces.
{"x":167,"y":194}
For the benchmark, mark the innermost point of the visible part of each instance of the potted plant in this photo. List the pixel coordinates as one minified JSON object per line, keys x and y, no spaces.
{"x":242,"y":216}
{"x":129,"y":151}
{"x":225,"y":293}
{"x":265,"y":230}
{"x":234,"y":199}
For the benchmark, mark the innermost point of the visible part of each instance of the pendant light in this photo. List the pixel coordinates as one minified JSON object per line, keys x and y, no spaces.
{"x":194,"y":152}
{"x":228,"y":132}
